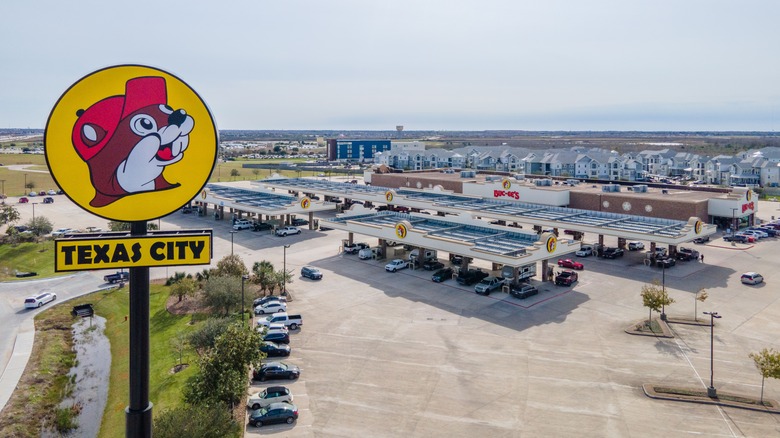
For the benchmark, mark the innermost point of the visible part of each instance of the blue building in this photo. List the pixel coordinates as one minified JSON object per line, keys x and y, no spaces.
{"x":355,"y":150}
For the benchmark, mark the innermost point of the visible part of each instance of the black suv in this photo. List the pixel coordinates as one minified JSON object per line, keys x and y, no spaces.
{"x":686,"y":254}
{"x":261,"y":226}
{"x":472,"y":276}
{"x":665,"y":262}
{"x":612,"y":253}
{"x":523,"y":291}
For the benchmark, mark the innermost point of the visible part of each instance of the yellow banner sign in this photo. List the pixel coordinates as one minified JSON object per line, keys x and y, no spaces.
{"x":131,"y":252}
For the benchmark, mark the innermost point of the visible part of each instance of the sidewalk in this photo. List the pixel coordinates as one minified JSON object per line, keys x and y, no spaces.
{"x":23,"y":345}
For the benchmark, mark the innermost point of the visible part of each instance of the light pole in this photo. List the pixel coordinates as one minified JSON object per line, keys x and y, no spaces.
{"x":33,"y":204}
{"x":711,"y":392}
{"x":243,"y":279}
{"x":25,"y":183}
{"x":734,"y":220}
{"x":284,"y":268}
{"x":231,"y":241}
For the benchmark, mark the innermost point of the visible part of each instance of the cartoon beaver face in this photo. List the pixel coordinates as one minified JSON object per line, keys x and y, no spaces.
{"x":127,"y":141}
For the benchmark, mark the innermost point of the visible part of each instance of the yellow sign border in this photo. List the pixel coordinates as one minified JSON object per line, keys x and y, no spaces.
{"x":131,"y":256}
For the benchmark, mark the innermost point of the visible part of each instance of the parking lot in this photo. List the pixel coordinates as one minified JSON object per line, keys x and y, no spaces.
{"x":394,"y":354}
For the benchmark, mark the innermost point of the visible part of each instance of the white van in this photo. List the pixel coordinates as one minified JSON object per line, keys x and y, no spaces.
{"x":369,"y":253}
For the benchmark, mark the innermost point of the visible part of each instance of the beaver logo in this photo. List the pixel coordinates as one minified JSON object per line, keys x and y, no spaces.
{"x":506,"y":184}
{"x":748,"y":195}
{"x":389,"y":196}
{"x":400,"y":231}
{"x":697,"y":227}
{"x":305,"y":203}
{"x":128,"y":141}
{"x":551,"y":243}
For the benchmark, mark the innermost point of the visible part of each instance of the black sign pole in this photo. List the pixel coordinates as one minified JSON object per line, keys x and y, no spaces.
{"x":139,"y":414}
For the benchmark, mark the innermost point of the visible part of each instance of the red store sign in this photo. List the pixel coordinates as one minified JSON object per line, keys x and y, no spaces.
{"x":500,"y":193}
{"x":748,"y":206}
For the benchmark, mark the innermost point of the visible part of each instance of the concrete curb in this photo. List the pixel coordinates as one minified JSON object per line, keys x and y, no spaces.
{"x":23,"y":346}
{"x":661,"y":323}
{"x":649,"y":390}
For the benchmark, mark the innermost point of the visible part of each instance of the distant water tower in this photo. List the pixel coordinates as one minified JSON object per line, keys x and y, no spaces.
{"x":399,"y":129}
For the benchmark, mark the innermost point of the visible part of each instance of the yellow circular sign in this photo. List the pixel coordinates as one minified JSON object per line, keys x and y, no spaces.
{"x":748,"y":195}
{"x":506,"y":184}
{"x":400,"y":231}
{"x":389,"y":196}
{"x":698,"y":226}
{"x":204,"y":193}
{"x":131,"y":143}
{"x":305,"y":203}
{"x":552,"y":242}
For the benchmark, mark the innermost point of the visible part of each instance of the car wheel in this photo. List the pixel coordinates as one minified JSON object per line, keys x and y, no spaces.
{"x":260,"y":312}
{"x":40,"y":304}
{"x":256,"y":406}
{"x":290,"y":420}
{"x":258,"y":424}
{"x":293,"y":326}
{"x":262,"y":378}
{"x":293,"y":376}
{"x":393,"y":270}
{"x":299,"y":232}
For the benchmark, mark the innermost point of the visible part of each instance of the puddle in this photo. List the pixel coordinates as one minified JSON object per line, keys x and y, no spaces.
{"x":90,"y":388}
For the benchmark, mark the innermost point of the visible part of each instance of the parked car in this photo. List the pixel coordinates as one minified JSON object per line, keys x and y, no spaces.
{"x":117,"y":277}
{"x":442,"y":275}
{"x":456,"y":259}
{"x":566,"y":278}
{"x":271,"y":307}
{"x":186,"y":209}
{"x":39,"y":300}
{"x":291,"y":321}
{"x":751,"y":278}
{"x":487,"y":285}
{"x":272,"y":394}
{"x":42,"y":193}
{"x":769,"y":230}
{"x":261,"y":226}
{"x":569,"y":263}
{"x":32,"y":194}
{"x":51,"y":192}
{"x":755,"y":233}
{"x":665,"y":262}
{"x":687,"y":254}
{"x":23,"y":200}
{"x":277,"y":336}
{"x":286,"y":231}
{"x":354,"y":248}
{"x":635,"y":246}
{"x":298,"y":222}
{"x":61,"y":231}
{"x":272,"y":349}
{"x":311,"y":272}
{"x":471,"y":276}
{"x":737,"y":238}
{"x":748,"y":237}
{"x":263,"y":300}
{"x":276,"y":370}
{"x":701,"y":239}
{"x":523,"y":291}
{"x":612,"y":253}
{"x":584,"y":251}
{"x":432,"y":265}
{"x":48,"y":200}
{"x":274,"y":413}
{"x":242,"y":224}
{"x":396,"y":264}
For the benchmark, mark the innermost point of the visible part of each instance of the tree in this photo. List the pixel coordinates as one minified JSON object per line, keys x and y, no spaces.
{"x":231,"y":265}
{"x":256,"y":172}
{"x":40,"y":225}
{"x":654,"y":297}
{"x":8,"y":214}
{"x":234,"y":172}
{"x":223,"y":370}
{"x":767,"y":362}
{"x":281,"y":278}
{"x":204,"y":338}
{"x":206,"y":421}
{"x":180,"y":345}
{"x":30,"y":185}
{"x":701,"y":295}
{"x":183,"y":288}
{"x":263,"y":271}
{"x":125,"y":226}
{"x":222,"y":292}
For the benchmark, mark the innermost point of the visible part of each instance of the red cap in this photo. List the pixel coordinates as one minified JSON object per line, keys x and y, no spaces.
{"x":103,"y":117}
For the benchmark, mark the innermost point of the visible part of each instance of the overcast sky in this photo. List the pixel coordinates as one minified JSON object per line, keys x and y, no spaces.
{"x":425,"y":64}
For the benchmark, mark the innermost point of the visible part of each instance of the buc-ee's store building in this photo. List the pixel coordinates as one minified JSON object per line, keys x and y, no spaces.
{"x":738,"y":206}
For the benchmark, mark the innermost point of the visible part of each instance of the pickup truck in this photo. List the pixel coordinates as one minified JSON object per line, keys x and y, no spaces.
{"x":286,"y":231}
{"x":470,"y":277}
{"x":566,"y":278}
{"x":116,"y":278}
{"x":291,"y":321}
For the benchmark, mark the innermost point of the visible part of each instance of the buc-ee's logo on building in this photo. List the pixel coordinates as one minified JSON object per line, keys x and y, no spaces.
{"x":697,"y":227}
{"x":551,"y":243}
{"x":506,"y":184}
{"x":305,"y":203}
{"x":389,"y":196}
{"x":401,"y":230}
{"x":131,"y":143}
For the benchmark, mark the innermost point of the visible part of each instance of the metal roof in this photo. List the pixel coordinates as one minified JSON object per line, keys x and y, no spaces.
{"x":538,"y":214}
{"x":262,"y":200}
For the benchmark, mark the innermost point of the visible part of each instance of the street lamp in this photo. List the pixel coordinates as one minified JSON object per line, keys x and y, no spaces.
{"x":663,"y":290}
{"x":711,"y":392}
{"x":231,"y":241}
{"x":25,"y":183}
{"x":243,"y":279}
{"x":284,"y":268}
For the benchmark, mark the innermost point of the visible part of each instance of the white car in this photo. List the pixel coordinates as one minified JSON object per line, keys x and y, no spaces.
{"x":272,"y":394}
{"x":52,"y":192}
{"x":62,"y":231}
{"x":39,"y":300}
{"x":271,"y":307}
{"x":274,"y":326}
{"x":755,"y":233}
{"x":286,"y":231}
{"x":635,"y":246}
{"x":242,"y":224}
{"x":585,"y":251}
{"x":396,"y":265}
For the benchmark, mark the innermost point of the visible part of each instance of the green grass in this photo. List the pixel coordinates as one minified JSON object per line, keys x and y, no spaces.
{"x":164,"y":387}
{"x":27,"y":257}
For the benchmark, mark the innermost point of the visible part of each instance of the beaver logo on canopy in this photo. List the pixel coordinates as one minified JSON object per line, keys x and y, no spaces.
{"x":400,"y":230}
{"x":127,"y":141}
{"x":552,"y":242}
